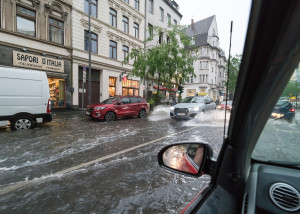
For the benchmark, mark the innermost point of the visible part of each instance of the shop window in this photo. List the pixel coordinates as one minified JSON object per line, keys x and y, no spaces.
{"x":136,"y":30}
{"x":113,"y":17}
{"x":125,"y":24}
{"x":191,"y":92}
{"x":94,"y":38}
{"x":112,"y":86}
{"x":112,"y":49}
{"x":25,"y":21}
{"x":57,"y":92}
{"x":94,"y":4}
{"x":56,"y":31}
{"x":130,"y":87}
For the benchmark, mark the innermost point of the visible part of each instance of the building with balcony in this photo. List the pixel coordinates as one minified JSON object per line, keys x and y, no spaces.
{"x":117,"y":27}
{"x":209,"y":68}
{"x":36,"y":34}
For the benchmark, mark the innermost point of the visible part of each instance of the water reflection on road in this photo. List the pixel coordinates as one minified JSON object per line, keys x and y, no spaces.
{"x":131,"y":182}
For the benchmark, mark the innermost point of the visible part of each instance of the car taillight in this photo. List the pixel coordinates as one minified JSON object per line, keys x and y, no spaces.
{"x":49,"y":106}
{"x":292,"y":110}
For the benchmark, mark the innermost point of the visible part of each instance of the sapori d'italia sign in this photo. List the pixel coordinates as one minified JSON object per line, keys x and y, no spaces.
{"x":27,"y":60}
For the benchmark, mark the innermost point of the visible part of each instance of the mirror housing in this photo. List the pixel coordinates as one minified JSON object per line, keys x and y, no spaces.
{"x":189,"y":158}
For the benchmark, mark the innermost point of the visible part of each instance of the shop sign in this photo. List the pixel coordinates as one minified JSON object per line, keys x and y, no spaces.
{"x":125,"y":78}
{"x":26,"y":60}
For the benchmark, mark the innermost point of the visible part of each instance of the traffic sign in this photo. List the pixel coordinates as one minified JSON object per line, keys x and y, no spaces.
{"x":84,"y":76}
{"x":84,"y":67}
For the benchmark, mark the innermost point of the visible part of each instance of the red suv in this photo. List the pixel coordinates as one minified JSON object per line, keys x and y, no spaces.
{"x":118,"y":107}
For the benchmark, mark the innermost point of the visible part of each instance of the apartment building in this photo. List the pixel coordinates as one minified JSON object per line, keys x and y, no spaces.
{"x":117,"y":27}
{"x":37,"y":35}
{"x":210,"y":66}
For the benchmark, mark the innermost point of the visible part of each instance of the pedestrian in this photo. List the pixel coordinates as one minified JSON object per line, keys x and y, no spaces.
{"x":174,"y":101}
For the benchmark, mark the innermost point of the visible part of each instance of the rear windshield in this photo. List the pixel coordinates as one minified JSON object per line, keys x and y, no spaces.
{"x":281,"y":102}
{"x":111,"y":100}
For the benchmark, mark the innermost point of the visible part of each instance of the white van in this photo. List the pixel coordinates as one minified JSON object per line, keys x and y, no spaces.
{"x":24,"y":98}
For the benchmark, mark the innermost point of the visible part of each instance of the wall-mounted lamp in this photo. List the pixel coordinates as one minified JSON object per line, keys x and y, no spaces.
{"x":44,"y":54}
{"x":24,"y":49}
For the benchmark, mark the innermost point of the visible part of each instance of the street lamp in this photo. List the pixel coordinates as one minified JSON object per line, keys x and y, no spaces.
{"x":90,"y":56}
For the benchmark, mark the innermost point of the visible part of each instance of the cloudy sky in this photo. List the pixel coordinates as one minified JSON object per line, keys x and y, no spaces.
{"x":225,"y":11}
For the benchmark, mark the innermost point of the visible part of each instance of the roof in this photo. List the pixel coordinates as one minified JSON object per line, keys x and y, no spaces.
{"x":200,"y":27}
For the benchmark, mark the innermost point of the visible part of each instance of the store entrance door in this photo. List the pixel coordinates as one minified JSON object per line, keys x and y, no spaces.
{"x":95,"y":88}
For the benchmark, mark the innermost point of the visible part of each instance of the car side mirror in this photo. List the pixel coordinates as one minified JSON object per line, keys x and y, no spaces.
{"x":188,"y":158}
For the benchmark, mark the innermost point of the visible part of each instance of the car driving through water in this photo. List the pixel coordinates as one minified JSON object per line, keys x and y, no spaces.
{"x":191,"y":106}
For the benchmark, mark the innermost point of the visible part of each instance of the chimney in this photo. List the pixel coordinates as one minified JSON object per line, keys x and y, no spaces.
{"x":192,"y":23}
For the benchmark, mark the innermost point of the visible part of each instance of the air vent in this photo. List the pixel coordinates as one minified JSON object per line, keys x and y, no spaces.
{"x":245,"y":204}
{"x":285,"y":197}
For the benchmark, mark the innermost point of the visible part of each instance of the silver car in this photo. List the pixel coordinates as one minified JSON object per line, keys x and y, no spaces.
{"x":191,"y":106}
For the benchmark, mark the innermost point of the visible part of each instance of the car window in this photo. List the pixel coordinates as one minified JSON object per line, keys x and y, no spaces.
{"x":125,"y":100}
{"x":111,"y":100}
{"x":133,"y":100}
{"x":279,"y":141}
{"x":140,"y":100}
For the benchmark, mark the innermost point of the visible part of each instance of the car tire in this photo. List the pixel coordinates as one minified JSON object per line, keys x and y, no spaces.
{"x":142,"y":113}
{"x":21,"y":123}
{"x":110,"y":116}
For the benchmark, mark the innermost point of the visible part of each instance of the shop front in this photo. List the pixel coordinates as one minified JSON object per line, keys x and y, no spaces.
{"x":58,"y":72}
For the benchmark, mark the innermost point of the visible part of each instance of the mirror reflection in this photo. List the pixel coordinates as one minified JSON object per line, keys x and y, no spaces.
{"x":184,"y":157}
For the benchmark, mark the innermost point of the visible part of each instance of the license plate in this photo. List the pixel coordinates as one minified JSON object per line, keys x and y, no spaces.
{"x":88,"y":113}
{"x":181,"y":114}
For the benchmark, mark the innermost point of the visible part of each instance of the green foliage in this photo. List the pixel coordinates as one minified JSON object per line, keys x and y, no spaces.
{"x":168,"y":62}
{"x":291,"y":89}
{"x":234,"y":68}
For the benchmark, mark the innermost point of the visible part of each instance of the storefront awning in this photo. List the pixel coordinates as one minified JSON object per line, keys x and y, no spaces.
{"x":56,"y":75}
{"x":165,"y":89}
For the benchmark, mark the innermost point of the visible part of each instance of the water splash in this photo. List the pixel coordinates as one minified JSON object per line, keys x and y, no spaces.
{"x":160,"y":113}
{"x":213,"y":118}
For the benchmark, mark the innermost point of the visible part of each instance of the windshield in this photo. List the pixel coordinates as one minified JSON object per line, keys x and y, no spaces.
{"x":279,"y":141}
{"x":193,"y":100}
{"x":111,"y":100}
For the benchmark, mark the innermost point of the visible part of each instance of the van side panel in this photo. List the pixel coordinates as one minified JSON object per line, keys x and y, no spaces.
{"x":22,"y":91}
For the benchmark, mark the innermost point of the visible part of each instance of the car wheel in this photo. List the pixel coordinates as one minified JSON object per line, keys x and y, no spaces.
{"x":110,"y":116}
{"x":142,"y":113}
{"x":22,"y":122}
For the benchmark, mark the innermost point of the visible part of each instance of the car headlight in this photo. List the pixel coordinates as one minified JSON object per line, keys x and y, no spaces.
{"x":172,"y":108}
{"x":196,"y":108}
{"x":99,"y":108}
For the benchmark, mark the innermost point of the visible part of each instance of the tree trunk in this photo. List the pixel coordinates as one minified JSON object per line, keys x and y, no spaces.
{"x":157,"y":94}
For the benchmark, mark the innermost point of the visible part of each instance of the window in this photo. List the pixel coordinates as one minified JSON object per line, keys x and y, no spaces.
{"x":162,"y":14}
{"x":137,"y":4}
{"x":94,"y":38}
{"x":125,"y":24}
{"x":25,"y":21}
{"x":133,"y":100}
{"x":200,"y":64}
{"x":93,"y":7}
{"x":113,"y":17}
{"x":212,"y":68}
{"x":56,"y":31}
{"x":169,"y":19}
{"x":127,"y":1}
{"x":150,"y":31}
{"x":161,"y":37}
{"x":112,"y":49}
{"x":125,"y":100}
{"x":192,"y":79}
{"x":130,"y":87}
{"x":150,"y":6}
{"x":112,"y":86}
{"x":204,"y":78}
{"x":175,"y":22}
{"x":168,"y":39}
{"x":136,"y":29}
{"x":125,"y":51}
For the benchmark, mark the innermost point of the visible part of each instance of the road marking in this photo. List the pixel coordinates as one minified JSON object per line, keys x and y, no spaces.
{"x":21,"y":184}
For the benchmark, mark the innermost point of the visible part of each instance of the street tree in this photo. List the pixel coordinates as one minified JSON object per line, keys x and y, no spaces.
{"x":292,"y":90}
{"x":234,"y":68}
{"x":169,"y":62}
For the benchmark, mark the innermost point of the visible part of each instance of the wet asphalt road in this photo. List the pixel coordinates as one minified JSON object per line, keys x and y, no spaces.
{"x":76,"y":165}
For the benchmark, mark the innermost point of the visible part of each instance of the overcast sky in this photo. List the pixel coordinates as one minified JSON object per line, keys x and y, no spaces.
{"x":225,"y":11}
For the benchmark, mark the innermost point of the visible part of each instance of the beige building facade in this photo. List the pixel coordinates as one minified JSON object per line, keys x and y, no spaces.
{"x":117,"y":27}
{"x":37,"y":35}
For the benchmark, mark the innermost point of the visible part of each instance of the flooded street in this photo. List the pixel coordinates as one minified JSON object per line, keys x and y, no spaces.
{"x":76,"y":165}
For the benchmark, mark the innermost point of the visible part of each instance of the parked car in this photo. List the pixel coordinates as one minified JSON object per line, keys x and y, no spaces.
{"x":258,"y":167}
{"x":24,"y":98}
{"x":284,"y":110}
{"x":223,"y":104}
{"x":118,"y":107}
{"x":191,"y":106}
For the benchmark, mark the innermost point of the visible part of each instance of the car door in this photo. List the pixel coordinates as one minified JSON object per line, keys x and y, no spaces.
{"x":240,"y":183}
{"x":124,"y":109}
{"x":134,"y":105}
